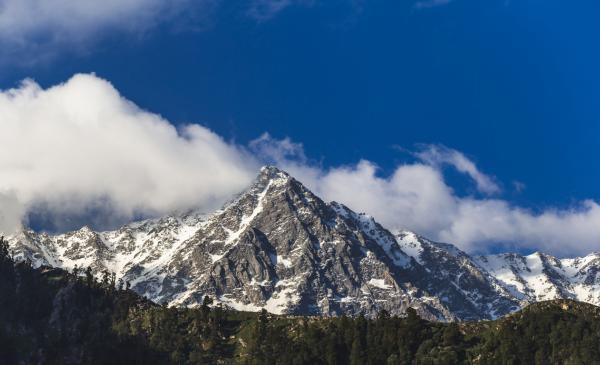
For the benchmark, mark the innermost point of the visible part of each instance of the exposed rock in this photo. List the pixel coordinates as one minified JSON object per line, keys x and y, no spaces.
{"x":280,"y":247}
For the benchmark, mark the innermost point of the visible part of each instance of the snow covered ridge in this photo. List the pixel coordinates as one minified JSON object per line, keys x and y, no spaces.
{"x":278,"y":246}
{"x":539,"y":277}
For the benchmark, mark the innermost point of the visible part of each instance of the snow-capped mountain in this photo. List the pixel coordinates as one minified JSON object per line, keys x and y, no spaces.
{"x":539,"y":276}
{"x":280,"y":247}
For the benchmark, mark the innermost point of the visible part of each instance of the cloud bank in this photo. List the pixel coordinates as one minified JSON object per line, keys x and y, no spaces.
{"x":71,"y":146}
{"x":82,"y":149}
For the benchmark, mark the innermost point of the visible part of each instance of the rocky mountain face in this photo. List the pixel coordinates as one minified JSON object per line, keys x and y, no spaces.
{"x":278,"y":246}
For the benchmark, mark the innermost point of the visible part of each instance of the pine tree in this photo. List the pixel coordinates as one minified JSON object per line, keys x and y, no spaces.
{"x":7,"y":279}
{"x":357,"y":352}
{"x":89,"y":277}
{"x":105,"y":281}
{"x":451,"y":335}
{"x":205,"y":308}
{"x":5,"y":258}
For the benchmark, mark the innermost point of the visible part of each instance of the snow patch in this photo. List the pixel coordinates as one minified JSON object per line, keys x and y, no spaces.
{"x":380,"y":283}
{"x":410,"y":244}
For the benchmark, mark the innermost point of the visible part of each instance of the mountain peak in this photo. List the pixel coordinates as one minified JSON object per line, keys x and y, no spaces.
{"x":273,"y":173}
{"x":271,"y":176}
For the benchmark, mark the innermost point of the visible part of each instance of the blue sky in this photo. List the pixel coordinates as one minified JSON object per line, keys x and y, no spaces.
{"x":512,"y":84}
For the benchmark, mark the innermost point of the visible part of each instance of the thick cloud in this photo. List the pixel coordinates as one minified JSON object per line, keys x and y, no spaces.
{"x":81,"y":149}
{"x":80,"y":143}
{"x":11,"y":212}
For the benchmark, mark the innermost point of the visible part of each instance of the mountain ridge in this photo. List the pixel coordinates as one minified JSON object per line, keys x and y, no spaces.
{"x":280,"y":247}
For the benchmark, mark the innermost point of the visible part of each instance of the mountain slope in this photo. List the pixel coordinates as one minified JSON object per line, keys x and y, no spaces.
{"x":453,"y":273}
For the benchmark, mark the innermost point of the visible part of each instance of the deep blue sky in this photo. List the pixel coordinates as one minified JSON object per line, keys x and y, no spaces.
{"x":514,"y":84}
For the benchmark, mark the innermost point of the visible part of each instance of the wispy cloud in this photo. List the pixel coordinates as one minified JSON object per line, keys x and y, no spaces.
{"x":278,"y":151}
{"x":427,"y":4}
{"x":437,"y":155}
{"x":263,"y":10}
{"x":40,"y":28}
{"x":519,"y":186}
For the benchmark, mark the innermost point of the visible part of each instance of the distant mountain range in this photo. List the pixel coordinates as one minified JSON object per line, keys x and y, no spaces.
{"x":280,"y":247}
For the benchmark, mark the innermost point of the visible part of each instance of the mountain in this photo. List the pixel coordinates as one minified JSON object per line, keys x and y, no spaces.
{"x":280,"y":247}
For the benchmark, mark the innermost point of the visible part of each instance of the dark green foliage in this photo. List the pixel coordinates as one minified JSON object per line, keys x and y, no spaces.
{"x":359,"y":341}
{"x":49,"y":316}
{"x":558,"y":332}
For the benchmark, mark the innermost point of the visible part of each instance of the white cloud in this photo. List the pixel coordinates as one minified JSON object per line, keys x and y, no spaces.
{"x":81,"y":149}
{"x":278,"y":151}
{"x":38,"y":28}
{"x":11,"y":212}
{"x":79,"y":143}
{"x":437,"y":155}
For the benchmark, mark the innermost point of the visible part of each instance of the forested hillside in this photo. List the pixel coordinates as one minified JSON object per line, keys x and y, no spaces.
{"x":50,"y":316}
